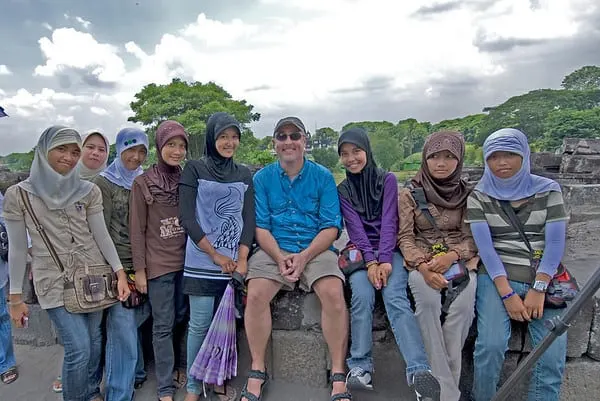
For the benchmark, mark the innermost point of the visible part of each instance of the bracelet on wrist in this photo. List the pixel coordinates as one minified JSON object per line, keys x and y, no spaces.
{"x":510,"y":294}
{"x":371,"y":263}
{"x":14,"y":303}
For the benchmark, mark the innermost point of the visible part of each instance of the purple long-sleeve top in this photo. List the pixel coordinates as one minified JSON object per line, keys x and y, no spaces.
{"x":379,"y":234}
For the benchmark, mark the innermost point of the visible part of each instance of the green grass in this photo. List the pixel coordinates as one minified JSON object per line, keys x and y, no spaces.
{"x":401,"y":176}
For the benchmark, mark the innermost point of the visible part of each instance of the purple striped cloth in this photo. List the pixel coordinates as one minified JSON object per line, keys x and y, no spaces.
{"x":216,"y":361}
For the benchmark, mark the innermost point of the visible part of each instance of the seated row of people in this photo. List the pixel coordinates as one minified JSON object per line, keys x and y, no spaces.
{"x":178,"y":235}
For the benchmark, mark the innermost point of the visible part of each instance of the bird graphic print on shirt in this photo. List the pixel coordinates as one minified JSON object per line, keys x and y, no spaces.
{"x":227,"y":208}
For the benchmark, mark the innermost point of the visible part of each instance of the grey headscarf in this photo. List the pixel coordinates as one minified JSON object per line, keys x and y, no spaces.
{"x":88,"y":173}
{"x":56,"y":190}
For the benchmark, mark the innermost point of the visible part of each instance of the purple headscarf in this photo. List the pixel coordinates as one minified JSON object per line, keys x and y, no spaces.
{"x":521,"y":185}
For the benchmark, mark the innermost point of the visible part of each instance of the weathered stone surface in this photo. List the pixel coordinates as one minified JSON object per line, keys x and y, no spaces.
{"x":545,"y":162}
{"x":582,"y":164}
{"x":299,"y":356}
{"x":40,"y":332}
{"x":594,"y":345}
{"x":8,"y":178}
{"x":581,"y":380}
{"x":578,"y":335}
{"x":294,"y":310}
{"x":581,"y":146}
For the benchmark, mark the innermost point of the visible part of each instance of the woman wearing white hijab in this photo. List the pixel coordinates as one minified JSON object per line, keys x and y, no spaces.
{"x":70,"y":209}
{"x":94,"y":156}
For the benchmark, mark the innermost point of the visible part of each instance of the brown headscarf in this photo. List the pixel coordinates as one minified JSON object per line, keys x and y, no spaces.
{"x":451,"y":192}
{"x":163,"y":179}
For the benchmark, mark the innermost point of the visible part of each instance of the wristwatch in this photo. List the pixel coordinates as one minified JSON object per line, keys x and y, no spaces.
{"x":540,"y":286}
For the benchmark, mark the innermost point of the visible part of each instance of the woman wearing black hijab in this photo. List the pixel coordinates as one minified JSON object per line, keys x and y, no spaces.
{"x":369,"y":203}
{"x":216,"y":200}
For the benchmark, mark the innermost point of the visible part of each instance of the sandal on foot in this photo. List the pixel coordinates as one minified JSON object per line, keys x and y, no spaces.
{"x":10,"y":375}
{"x":57,"y":385}
{"x":258,"y":375}
{"x":340,"y":377}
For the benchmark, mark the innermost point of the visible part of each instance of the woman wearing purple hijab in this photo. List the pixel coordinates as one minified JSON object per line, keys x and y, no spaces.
{"x":507,"y":285}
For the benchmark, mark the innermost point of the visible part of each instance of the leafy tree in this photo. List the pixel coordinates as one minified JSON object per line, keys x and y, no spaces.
{"x":473,"y":155}
{"x":18,"y":161}
{"x":190,"y":104}
{"x":469,"y":126}
{"x":327,"y":157}
{"x":251,"y":151}
{"x":412,"y":134}
{"x":528,"y":112}
{"x":386,"y":150}
{"x":571,"y":123}
{"x":326,"y":136}
{"x":583,"y":79}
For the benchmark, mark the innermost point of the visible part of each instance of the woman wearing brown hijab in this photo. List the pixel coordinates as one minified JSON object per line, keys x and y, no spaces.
{"x":158,"y":248}
{"x":436,"y":254}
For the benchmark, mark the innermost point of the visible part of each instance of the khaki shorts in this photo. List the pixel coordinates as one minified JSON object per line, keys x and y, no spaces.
{"x":261,"y":265}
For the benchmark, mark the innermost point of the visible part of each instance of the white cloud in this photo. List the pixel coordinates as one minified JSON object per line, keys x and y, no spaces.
{"x":69,"y":48}
{"x":47,"y":26}
{"x":84,"y":23}
{"x":4,"y":70}
{"x":313,"y":55}
{"x":99,"y":111}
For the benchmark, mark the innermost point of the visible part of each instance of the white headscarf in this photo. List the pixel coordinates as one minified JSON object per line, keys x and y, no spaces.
{"x":87,"y":173}
{"x":56,"y":191}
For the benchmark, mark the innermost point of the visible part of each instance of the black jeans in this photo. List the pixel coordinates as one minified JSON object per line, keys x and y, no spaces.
{"x":170,"y":314}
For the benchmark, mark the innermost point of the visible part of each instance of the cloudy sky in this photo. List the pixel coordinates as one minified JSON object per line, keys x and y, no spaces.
{"x":79,"y":63}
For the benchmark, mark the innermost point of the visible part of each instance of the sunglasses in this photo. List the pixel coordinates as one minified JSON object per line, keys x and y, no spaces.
{"x":294,"y":136}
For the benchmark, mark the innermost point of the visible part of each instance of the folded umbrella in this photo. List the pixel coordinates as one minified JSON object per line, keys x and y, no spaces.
{"x":217,"y":359}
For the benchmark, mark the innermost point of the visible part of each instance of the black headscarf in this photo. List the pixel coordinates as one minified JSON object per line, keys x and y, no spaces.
{"x":220,"y":167}
{"x":365,"y":189}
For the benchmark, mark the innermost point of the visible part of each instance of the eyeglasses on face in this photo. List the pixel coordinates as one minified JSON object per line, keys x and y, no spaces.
{"x":294,"y":136}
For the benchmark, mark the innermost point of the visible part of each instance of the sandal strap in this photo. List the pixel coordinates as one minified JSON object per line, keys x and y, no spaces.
{"x":338,"y":377}
{"x":340,"y":396}
{"x":249,"y":396}
{"x":258,"y":374}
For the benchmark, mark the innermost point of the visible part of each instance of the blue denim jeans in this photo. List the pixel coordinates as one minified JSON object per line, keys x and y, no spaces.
{"x":401,"y":317}
{"x":170,"y":315}
{"x":142,"y":313}
{"x":7,"y":354}
{"x":493,"y":333}
{"x":121,"y":353}
{"x":82,"y":339}
{"x":201,"y":315}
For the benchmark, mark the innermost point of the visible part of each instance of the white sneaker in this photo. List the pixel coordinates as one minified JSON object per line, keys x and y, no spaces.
{"x":359,"y":379}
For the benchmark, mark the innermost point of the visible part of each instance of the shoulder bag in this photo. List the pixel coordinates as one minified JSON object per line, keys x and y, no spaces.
{"x":87,"y":288}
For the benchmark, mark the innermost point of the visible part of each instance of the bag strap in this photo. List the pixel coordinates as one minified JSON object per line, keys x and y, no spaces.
{"x":515,"y":222}
{"x":40,"y":229}
{"x":419,"y":195}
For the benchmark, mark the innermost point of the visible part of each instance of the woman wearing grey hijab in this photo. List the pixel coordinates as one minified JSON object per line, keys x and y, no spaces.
{"x":94,"y":154}
{"x":70,"y":210}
